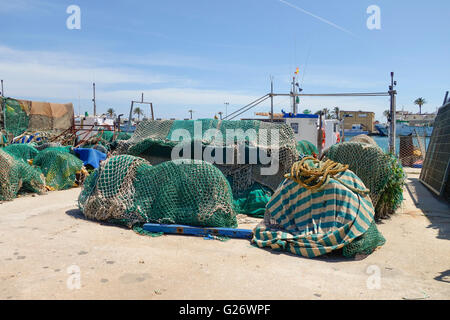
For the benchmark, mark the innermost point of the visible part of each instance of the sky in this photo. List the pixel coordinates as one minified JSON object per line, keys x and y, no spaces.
{"x":200,"y":54}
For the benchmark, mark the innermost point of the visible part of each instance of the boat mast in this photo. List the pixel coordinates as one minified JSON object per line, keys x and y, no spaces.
{"x":392,"y":129}
{"x":93,"y":99}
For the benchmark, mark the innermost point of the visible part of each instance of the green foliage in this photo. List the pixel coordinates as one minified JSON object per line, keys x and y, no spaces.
{"x":392,"y":196}
{"x":380,"y":172}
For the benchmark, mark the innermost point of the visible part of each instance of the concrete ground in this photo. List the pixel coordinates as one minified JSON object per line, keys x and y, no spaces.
{"x":47,"y":248}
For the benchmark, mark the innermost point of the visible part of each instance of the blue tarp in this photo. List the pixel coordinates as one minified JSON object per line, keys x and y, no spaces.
{"x":90,"y":156}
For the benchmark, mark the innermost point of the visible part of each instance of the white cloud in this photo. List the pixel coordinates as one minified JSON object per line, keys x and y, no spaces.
{"x":67,"y":77}
{"x":57,"y":75}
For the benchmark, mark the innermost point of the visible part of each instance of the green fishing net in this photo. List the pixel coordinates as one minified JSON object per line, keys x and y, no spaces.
{"x":380,"y":172}
{"x":128,"y":189}
{"x":307,"y":148}
{"x":16,"y":116}
{"x":253,"y":201}
{"x":366,"y":243}
{"x":106,"y":141}
{"x":24,"y":151}
{"x":17,"y":175}
{"x":155,"y":140}
{"x":59,"y":167}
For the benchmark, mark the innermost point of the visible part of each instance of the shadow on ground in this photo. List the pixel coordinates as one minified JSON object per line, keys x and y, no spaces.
{"x":332,"y":257}
{"x":77,"y":214}
{"x":435,"y":209}
{"x":444,"y":277}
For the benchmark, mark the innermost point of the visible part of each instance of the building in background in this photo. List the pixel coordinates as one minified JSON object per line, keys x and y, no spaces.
{"x":365,"y":119}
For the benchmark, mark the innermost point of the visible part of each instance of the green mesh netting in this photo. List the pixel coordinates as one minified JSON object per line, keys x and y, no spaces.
{"x":106,"y":141}
{"x":253,"y":201}
{"x":59,"y":167}
{"x":24,"y":151}
{"x":366,"y":243}
{"x":154,"y":141}
{"x":380,"y":172}
{"x":16,"y":116}
{"x":364,"y":139}
{"x":3,"y":138}
{"x":128,"y":189}
{"x":110,"y":136}
{"x":307,"y":148}
{"x":61,"y":149}
{"x":17,"y":175}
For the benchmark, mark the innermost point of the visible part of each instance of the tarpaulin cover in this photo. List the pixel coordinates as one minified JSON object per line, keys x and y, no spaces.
{"x":90,"y":157}
{"x":312,"y":223}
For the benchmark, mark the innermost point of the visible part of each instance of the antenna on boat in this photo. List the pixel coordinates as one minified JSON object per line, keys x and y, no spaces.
{"x":93,"y":99}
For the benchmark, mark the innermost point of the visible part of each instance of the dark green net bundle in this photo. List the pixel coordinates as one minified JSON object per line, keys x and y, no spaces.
{"x":130,"y":190}
{"x":381,"y":173}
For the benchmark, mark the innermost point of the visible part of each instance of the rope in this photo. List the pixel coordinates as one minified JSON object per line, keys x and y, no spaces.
{"x":315,"y":176}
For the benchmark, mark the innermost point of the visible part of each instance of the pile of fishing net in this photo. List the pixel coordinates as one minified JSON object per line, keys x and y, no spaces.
{"x":24,"y":116}
{"x":381,"y":173}
{"x":307,"y":148}
{"x":16,"y":118}
{"x":25,"y":168}
{"x":320,"y":207}
{"x":60,"y":167}
{"x":111,"y":136}
{"x":17,"y":175}
{"x":22,"y":151}
{"x":253,"y":201}
{"x":364,"y":139}
{"x":251,"y":186}
{"x":105,"y":140}
{"x":130,"y":191}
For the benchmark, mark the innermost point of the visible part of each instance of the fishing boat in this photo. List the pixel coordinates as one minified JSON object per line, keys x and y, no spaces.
{"x":382,"y":129}
{"x":405,"y":128}
{"x":408,"y":123}
{"x":356,"y":130}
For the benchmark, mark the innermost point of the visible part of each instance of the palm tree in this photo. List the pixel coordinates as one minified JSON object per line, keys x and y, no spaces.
{"x":110,"y":112}
{"x":420,"y":102}
{"x":336,"y":113}
{"x":138,"y":112}
{"x":326,"y":113}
